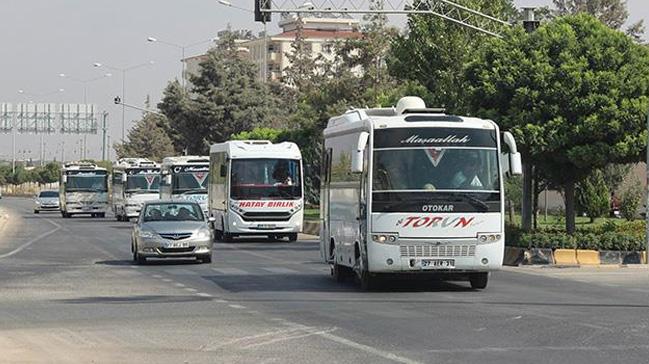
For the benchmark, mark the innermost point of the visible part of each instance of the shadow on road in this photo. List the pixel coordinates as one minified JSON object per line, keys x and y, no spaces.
{"x":324,"y":283}
{"x":153,"y":262}
{"x":134,"y":299}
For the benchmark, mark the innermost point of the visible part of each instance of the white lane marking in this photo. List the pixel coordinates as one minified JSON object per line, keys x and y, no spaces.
{"x":191,"y":289}
{"x":166,"y":280}
{"x":492,"y":349}
{"x":280,"y":270}
{"x":239,"y":307}
{"x":32,"y":241}
{"x":156,"y":276}
{"x":203,"y":294}
{"x":233,"y":271}
{"x":179,"y":285}
{"x":179,"y":271}
{"x":366,"y":348}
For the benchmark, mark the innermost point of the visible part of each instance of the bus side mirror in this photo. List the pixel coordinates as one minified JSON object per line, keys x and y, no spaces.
{"x":65,"y":178}
{"x":357,"y":154}
{"x":167,"y":179}
{"x":124,"y":177}
{"x":224,"y":170}
{"x":515,"y":164}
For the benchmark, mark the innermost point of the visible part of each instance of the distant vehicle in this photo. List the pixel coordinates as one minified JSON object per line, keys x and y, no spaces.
{"x":258,"y":189}
{"x":46,"y":201}
{"x":83,"y":190}
{"x":412,"y":190}
{"x":171,"y":229}
{"x":185,"y":178}
{"x":135,"y":181}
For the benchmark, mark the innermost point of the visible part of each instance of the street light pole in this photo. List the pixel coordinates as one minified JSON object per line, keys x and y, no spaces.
{"x":182,"y":48}
{"x":123,"y":70}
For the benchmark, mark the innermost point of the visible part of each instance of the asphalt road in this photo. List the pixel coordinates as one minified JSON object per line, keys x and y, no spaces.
{"x":69,"y":293}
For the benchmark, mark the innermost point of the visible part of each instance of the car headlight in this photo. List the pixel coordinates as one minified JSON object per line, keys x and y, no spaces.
{"x":146,"y":234}
{"x":390,"y":238}
{"x":486,"y":238}
{"x":203,"y":234}
{"x":37,"y":202}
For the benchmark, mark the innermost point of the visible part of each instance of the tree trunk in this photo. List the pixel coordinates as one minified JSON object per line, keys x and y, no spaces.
{"x":535,"y":200}
{"x":510,"y":207}
{"x":526,"y":213}
{"x":569,"y":190}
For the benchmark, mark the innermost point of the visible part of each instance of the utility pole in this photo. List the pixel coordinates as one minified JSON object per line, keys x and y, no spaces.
{"x":646,"y":252}
{"x":104,"y":127}
{"x":13,"y":143}
{"x":530,"y":24}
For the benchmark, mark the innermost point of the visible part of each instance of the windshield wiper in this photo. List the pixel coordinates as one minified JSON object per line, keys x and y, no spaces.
{"x":194,"y":191}
{"x":474,"y":201}
{"x":142,"y":191}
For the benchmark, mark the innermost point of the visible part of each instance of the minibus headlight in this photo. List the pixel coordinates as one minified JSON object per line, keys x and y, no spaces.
{"x":385,"y":238}
{"x":485,"y":238}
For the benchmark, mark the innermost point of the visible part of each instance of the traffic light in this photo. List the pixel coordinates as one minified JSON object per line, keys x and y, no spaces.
{"x":259,"y":6}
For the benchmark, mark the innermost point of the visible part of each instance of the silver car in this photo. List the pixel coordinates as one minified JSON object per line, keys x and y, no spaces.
{"x":171,"y":229}
{"x":46,"y":201}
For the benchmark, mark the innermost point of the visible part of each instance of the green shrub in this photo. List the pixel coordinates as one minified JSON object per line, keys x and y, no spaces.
{"x":631,"y":200}
{"x":611,"y":240}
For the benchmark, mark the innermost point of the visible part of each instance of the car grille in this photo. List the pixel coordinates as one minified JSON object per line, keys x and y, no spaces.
{"x":177,"y":250}
{"x":176,"y":236}
{"x":266,"y":216}
{"x":437,"y":250}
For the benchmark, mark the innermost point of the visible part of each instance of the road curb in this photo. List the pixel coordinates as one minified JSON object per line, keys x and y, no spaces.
{"x":565,"y":257}
{"x":311,"y":227}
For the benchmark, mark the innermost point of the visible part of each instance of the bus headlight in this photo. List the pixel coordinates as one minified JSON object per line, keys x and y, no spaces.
{"x":486,"y":238}
{"x":385,"y":238}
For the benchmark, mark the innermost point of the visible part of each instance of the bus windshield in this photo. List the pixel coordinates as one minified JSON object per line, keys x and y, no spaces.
{"x":266,"y":179}
{"x":436,"y":169}
{"x":190,"y":182}
{"x":137,"y":183}
{"x":86,"y":182}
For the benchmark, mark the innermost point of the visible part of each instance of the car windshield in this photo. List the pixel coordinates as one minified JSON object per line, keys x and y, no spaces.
{"x":436,"y":169}
{"x":173,"y":212}
{"x":255,"y":179}
{"x":48,"y":194}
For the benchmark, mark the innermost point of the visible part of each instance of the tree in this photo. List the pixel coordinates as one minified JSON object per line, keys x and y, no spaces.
{"x":304,"y":72}
{"x":226,"y":98}
{"x":146,"y":140}
{"x":574,"y":93}
{"x":49,"y":173}
{"x":592,"y":195}
{"x":434,"y":52}
{"x":631,"y":198}
{"x":613,"y":13}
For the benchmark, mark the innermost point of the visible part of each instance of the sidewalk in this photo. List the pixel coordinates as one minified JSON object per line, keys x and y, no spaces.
{"x":633,"y":276}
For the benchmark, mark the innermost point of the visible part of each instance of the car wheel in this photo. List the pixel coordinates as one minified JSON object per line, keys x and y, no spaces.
{"x":36,"y":211}
{"x":206,"y":259}
{"x":227,"y":237}
{"x":139,"y":259}
{"x":479,"y":280}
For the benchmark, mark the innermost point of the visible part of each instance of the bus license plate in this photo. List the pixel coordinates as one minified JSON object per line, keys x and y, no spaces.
{"x":438,"y":263}
{"x":266,"y":226}
{"x":177,"y":245}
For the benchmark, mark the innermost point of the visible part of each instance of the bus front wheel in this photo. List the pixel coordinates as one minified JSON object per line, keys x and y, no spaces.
{"x":479,"y":280}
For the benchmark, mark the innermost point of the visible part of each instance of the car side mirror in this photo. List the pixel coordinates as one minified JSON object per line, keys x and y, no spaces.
{"x":224,"y":170}
{"x":358,"y":152}
{"x":124,"y":177}
{"x":167,"y":179}
{"x":65,"y":178}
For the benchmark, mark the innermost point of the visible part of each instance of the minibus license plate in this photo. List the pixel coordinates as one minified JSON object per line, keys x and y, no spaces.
{"x":266,"y":226}
{"x":438,"y":263}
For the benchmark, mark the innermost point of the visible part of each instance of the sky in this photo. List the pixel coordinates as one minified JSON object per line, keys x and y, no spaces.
{"x":44,"y":38}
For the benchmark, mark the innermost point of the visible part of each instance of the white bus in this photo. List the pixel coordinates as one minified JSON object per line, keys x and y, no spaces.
{"x":83,"y":190}
{"x":185,"y":178}
{"x":135,"y":181}
{"x":256,"y":189}
{"x":413,"y":190}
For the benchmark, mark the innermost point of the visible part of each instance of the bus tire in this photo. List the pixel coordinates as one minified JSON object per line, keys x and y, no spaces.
{"x":227,"y":238}
{"x":292,"y":237}
{"x":338,"y":272}
{"x":103,"y":215}
{"x":479,"y":280}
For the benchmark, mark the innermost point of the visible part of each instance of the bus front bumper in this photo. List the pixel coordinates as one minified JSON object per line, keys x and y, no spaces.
{"x":238,"y":226}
